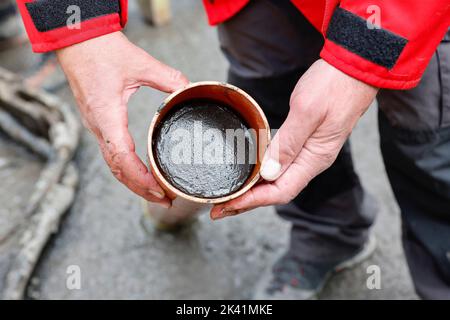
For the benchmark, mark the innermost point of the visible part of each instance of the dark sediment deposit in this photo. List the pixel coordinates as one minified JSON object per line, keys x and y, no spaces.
{"x":204,"y":149}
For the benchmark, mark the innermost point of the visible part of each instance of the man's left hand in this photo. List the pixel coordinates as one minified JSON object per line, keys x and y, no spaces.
{"x":325,"y":106}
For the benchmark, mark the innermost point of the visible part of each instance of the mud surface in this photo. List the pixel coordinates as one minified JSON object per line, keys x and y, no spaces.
{"x":197,"y":152}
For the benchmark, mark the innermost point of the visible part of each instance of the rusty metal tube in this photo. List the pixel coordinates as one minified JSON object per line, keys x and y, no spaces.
{"x":186,"y":206}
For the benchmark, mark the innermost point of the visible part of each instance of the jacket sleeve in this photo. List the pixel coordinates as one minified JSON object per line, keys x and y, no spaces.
{"x":55,"y":24}
{"x":387,"y":44}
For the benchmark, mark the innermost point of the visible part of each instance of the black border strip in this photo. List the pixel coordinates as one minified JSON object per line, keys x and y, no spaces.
{"x":379,"y":46}
{"x":52,"y":14}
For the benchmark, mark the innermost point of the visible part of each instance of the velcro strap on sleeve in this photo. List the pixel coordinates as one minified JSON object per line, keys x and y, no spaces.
{"x":377,"y":45}
{"x":50,"y":14}
{"x":55,"y":24}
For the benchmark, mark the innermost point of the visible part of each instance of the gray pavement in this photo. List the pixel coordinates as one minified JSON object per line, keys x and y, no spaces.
{"x":212,"y":260}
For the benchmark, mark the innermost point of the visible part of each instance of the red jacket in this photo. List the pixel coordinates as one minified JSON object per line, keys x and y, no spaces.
{"x":392,"y":56}
{"x":45,"y":21}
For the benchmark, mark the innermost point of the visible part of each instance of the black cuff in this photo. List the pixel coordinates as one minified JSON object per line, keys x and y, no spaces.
{"x":52,"y":14}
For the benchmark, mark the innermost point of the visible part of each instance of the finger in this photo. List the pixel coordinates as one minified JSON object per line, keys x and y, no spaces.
{"x":301,"y":171}
{"x":135,"y":179}
{"x":118,"y":149}
{"x":161,"y":77}
{"x":289,"y":140}
{"x":259,"y":196}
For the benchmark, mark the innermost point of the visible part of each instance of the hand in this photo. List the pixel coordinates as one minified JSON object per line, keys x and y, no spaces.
{"x":324,"y":108}
{"x":103,"y":73}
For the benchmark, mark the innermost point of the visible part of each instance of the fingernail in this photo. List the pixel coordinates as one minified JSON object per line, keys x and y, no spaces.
{"x":157,"y":194}
{"x":270,"y":170}
{"x":223,"y":213}
{"x":226,"y":212}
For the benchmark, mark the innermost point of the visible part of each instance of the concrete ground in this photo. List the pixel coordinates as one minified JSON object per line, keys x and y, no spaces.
{"x":211,"y":260}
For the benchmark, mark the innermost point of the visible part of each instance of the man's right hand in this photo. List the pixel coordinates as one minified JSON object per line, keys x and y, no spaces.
{"x":103,"y":73}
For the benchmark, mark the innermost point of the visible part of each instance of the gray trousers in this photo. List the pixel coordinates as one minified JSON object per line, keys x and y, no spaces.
{"x":269,"y":46}
{"x":9,"y":21}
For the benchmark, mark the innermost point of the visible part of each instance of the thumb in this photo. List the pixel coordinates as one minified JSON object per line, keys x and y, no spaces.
{"x":287,"y":144}
{"x":162,"y":77}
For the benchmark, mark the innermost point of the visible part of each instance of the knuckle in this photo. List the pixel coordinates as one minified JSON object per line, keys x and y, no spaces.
{"x":94,"y":112}
{"x":290,"y":147}
{"x":284,"y":199}
{"x":116,"y":166}
{"x":328,"y":159}
{"x":117,"y":158}
{"x":302,"y":107}
{"x":117,"y":172}
{"x":324,"y":159}
{"x":114,"y":160}
{"x":176,"y":76}
{"x":299,"y":103}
